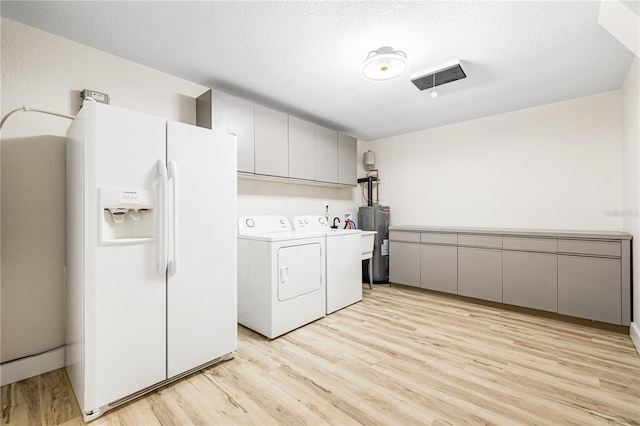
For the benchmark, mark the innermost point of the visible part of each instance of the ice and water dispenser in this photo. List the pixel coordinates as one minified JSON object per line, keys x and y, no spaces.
{"x":127,"y":215}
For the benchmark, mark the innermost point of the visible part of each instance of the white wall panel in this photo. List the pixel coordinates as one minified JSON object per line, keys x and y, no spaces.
{"x":631,"y":210}
{"x":554,"y":166}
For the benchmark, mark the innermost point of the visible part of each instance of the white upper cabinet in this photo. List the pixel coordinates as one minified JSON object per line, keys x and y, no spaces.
{"x":302,"y":145}
{"x":326,"y":155}
{"x":221,"y":111}
{"x":347,"y":163}
{"x":235,"y":115}
{"x":271,"y":142}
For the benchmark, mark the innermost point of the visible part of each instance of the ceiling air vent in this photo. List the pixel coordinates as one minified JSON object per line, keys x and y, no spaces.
{"x":444,"y":74}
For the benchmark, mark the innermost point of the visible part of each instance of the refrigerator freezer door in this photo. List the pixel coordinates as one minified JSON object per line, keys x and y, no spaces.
{"x":202,"y":318}
{"x":124,"y":295}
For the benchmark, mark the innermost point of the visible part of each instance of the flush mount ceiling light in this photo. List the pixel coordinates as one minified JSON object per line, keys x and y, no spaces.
{"x":384,"y":64}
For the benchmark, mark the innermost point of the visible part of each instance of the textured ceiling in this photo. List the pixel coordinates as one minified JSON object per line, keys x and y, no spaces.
{"x":304,"y":57}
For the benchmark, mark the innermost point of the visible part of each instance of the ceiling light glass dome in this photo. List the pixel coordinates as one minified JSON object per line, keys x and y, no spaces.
{"x":384,"y":64}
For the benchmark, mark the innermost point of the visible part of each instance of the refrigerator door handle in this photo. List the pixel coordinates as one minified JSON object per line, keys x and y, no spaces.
{"x":173,"y":174}
{"x":162,"y":219}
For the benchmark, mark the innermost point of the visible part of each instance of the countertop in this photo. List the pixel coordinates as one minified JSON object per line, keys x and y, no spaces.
{"x":598,"y":235}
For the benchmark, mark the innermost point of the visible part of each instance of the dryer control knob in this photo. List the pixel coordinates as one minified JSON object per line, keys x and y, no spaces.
{"x":250,"y":223}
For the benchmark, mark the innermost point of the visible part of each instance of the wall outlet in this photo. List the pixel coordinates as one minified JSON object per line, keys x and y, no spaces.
{"x":96,"y":96}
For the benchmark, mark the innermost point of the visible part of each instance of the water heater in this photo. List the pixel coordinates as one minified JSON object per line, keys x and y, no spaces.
{"x":376,"y":218}
{"x":369,"y":160}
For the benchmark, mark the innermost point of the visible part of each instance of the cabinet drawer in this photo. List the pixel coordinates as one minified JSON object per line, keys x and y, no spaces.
{"x":411,"y":237}
{"x":548,"y":245}
{"x":488,"y":241}
{"x":596,"y":248}
{"x":438,"y":238}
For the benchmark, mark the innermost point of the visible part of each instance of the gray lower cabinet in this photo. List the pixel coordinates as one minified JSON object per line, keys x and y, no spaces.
{"x":530,"y":280}
{"x":439,"y":268}
{"x":575,"y":273}
{"x":302,"y":146}
{"x":589,"y":287}
{"x":271,"y":142}
{"x":404,"y":263}
{"x":480,"y":273}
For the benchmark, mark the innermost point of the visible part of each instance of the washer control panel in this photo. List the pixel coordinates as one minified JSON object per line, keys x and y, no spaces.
{"x":262,"y":224}
{"x":310,"y":222}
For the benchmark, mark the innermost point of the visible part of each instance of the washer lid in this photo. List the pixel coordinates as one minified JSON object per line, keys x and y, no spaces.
{"x":329,"y":232}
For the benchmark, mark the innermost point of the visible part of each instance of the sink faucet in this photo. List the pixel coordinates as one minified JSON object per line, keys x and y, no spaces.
{"x":334,"y":226}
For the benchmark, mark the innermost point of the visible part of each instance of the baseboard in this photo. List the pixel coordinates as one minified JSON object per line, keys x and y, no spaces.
{"x":24,"y":368}
{"x":634,"y":332}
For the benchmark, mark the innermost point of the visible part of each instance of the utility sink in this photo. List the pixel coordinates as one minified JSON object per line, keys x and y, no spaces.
{"x":368,"y":238}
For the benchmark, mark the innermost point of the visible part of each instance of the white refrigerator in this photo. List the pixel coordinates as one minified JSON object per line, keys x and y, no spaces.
{"x":151,"y":253}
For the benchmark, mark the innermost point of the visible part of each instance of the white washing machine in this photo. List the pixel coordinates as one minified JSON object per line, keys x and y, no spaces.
{"x":343,"y":261}
{"x":281,"y":275}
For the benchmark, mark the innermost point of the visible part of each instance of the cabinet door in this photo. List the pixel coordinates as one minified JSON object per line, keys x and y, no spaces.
{"x":271,"y":142}
{"x":302,"y":149}
{"x":590,"y":287}
{"x":326,"y":155}
{"x":530,"y":280}
{"x":234,"y":115}
{"x":347,"y":153}
{"x":439,"y":268}
{"x":480,"y":273}
{"x":404,"y":263}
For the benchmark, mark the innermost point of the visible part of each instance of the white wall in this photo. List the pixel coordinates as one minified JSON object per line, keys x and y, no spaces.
{"x":557,"y":166}
{"x":258,"y":197}
{"x":631,"y":224}
{"x":46,"y":71}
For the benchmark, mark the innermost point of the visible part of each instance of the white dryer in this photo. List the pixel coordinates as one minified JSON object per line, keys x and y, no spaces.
{"x":281,"y":275}
{"x":343,"y":261}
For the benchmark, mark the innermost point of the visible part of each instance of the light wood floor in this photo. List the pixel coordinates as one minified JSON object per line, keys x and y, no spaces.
{"x":401,"y":357}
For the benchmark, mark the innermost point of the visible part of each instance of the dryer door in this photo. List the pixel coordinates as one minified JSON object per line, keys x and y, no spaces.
{"x":299,"y":270}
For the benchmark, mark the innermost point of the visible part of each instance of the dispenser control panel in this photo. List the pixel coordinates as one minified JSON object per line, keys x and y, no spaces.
{"x":126,"y":198}
{"x":127,"y":215}
{"x":130,"y":195}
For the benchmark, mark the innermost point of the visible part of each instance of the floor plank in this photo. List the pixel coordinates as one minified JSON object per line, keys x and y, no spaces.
{"x":401,"y":356}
